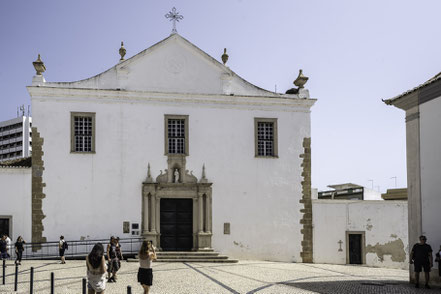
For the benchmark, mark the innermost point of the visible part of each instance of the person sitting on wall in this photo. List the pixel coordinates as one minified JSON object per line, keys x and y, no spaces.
{"x":421,"y":257}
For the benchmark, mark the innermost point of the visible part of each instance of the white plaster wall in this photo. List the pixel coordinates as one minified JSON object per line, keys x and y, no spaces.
{"x":91,"y":195}
{"x":430,"y":148}
{"x":370,"y":194}
{"x":16,"y":197}
{"x":382,"y":221}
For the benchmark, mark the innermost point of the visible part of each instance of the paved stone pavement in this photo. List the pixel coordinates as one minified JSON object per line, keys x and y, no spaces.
{"x":211,"y":278}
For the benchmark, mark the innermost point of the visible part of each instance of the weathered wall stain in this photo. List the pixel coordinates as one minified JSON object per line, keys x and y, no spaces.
{"x":393,"y":248}
{"x":369,"y":226}
{"x":241,"y":245}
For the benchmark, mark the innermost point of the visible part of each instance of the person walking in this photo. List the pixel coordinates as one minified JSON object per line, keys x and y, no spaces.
{"x":19,"y":248}
{"x":421,"y":257}
{"x":3,"y":248}
{"x":62,"y":246}
{"x":8,"y":246}
{"x":145,"y":273}
{"x":119,"y":252}
{"x":112,"y":258}
{"x":96,"y":270}
{"x":438,"y":259}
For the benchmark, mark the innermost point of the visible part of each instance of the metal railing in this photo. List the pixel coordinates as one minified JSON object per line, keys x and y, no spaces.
{"x":77,"y":249}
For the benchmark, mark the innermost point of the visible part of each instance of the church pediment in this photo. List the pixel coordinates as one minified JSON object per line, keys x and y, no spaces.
{"x":173,"y":65}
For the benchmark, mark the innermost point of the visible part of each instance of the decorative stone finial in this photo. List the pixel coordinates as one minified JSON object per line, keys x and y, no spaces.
{"x":203,"y":177}
{"x":301,"y":80}
{"x":122,"y":51}
{"x":39,"y":66}
{"x":149,"y":175}
{"x":225,"y":56}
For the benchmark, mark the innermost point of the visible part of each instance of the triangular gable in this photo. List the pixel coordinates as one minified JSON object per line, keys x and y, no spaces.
{"x":173,"y":65}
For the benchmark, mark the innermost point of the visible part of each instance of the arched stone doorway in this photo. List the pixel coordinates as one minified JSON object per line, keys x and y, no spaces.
{"x":177,"y":208}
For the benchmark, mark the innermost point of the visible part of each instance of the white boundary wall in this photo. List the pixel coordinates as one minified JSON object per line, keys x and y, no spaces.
{"x":16,"y":198}
{"x":384,"y":224}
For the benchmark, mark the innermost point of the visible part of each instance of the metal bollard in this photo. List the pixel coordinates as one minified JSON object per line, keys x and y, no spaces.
{"x":84,"y":285}
{"x":31,"y":286}
{"x":129,"y":290}
{"x":52,"y":283}
{"x":4,"y":271}
{"x":16,"y":278}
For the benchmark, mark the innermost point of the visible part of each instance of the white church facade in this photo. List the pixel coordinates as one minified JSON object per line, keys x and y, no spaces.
{"x":172,"y":145}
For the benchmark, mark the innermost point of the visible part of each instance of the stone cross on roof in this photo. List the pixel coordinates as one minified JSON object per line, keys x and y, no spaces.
{"x":174,"y":16}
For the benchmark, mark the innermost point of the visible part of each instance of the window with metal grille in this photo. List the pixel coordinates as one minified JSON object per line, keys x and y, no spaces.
{"x":176,"y":136}
{"x":265,"y":139}
{"x":83,"y":132}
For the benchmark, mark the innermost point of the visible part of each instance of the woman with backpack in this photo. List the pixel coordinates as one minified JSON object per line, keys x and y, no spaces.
{"x":62,"y":246}
{"x":96,"y":270}
{"x":145,"y":273}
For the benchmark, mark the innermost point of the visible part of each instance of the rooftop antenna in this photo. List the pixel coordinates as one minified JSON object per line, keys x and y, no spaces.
{"x":22,"y":109}
{"x":29,"y":112}
{"x":17,"y":112}
{"x":395,"y":180}
{"x":372,"y":183}
{"x":275,"y":88}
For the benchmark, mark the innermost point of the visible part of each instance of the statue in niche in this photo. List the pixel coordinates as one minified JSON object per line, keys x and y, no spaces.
{"x":176,"y":176}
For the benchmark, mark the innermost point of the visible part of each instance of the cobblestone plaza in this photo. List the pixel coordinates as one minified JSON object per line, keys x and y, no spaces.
{"x":212,"y":278}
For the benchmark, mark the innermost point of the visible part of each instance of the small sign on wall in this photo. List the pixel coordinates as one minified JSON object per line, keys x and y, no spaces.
{"x":226,"y":228}
{"x":135,"y":229}
{"x":126,"y":227}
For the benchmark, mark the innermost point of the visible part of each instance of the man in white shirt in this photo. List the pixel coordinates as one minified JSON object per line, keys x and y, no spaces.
{"x":8,"y":245}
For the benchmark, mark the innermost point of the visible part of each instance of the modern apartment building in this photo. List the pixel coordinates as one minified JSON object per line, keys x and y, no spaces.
{"x":15,"y":138}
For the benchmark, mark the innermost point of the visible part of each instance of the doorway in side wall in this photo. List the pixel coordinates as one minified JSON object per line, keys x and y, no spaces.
{"x":355,"y":247}
{"x":5,"y":225}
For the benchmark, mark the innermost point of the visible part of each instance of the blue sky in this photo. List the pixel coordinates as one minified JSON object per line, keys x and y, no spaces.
{"x":355,"y":53}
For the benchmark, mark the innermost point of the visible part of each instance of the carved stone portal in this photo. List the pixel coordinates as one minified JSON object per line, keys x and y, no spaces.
{"x":177,"y":183}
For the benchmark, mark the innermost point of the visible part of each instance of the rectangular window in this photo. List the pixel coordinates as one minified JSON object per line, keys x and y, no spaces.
{"x":265,"y":133}
{"x":83,"y":132}
{"x":176,"y":134}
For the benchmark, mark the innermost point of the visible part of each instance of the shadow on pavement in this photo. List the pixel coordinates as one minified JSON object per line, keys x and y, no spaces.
{"x":359,"y":286}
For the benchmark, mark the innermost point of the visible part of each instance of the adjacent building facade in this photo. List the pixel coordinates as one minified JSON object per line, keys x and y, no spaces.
{"x":15,"y":211}
{"x":422,"y":106}
{"x":15,"y":138}
{"x":172,"y":145}
{"x":349,"y":191}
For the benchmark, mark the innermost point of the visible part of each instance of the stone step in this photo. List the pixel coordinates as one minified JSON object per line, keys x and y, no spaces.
{"x":199,"y":260}
{"x":182,"y":253}
{"x":192,"y":257}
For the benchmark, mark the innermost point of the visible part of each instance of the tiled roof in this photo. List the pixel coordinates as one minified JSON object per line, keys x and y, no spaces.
{"x":392,"y":100}
{"x":19,"y":162}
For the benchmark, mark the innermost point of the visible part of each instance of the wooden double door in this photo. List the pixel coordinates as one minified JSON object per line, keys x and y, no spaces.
{"x":176,"y":224}
{"x":4,"y":227}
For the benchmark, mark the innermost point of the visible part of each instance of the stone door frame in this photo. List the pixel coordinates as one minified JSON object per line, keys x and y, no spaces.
{"x":200,"y":193}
